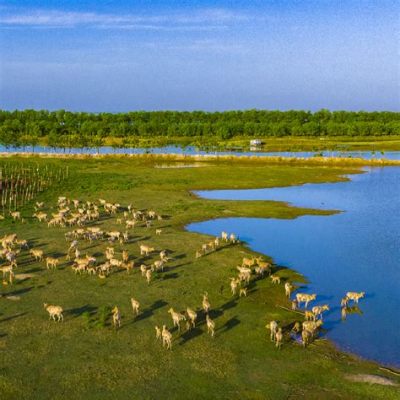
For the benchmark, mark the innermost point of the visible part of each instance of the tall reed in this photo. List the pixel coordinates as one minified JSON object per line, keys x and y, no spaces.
{"x":21,"y":182}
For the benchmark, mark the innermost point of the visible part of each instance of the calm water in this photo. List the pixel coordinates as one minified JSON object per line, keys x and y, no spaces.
{"x":356,"y":250}
{"x":190,"y":150}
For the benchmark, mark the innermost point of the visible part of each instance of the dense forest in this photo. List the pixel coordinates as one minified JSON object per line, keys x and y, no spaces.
{"x":70,"y":129}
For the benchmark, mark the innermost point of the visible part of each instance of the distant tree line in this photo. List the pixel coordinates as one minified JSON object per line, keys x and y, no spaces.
{"x":70,"y":129}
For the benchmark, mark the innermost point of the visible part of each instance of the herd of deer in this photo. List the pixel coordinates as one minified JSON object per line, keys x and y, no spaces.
{"x":76,"y":213}
{"x":256,"y":267}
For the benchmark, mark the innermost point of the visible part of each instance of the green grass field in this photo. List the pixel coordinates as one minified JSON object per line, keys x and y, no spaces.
{"x":86,"y":358}
{"x":375,"y":144}
{"x":286,"y":143}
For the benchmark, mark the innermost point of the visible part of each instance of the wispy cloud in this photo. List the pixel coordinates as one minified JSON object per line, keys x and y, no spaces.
{"x":206,"y":19}
{"x":210,"y":46}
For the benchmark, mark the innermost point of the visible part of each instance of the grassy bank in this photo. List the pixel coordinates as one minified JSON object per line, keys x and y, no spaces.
{"x":85,"y":358}
{"x":377,"y":144}
{"x":286,"y":143}
{"x":337,"y":143}
{"x":182,"y":160}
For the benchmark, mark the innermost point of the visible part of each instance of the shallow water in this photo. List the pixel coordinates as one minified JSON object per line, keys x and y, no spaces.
{"x":191,"y":150}
{"x":355,"y":250}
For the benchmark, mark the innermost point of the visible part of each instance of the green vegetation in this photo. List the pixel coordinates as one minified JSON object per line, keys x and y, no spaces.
{"x":84,"y":357}
{"x":20,"y":183}
{"x":67,"y":129}
{"x":377,"y":144}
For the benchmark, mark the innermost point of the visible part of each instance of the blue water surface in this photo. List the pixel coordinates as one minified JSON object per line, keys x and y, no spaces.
{"x":191,"y":150}
{"x":354,"y":250}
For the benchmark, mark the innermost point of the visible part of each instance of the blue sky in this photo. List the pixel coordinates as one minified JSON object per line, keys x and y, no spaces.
{"x":210,"y":55}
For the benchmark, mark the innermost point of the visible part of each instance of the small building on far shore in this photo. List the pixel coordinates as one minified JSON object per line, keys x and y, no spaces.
{"x":256,"y":142}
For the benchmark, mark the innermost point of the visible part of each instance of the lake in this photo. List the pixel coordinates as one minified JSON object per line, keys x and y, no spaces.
{"x":357,"y":249}
{"x":191,"y":150}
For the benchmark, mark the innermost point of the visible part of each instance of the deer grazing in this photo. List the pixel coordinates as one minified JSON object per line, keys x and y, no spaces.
{"x":148,"y":276}
{"x":51,"y":263}
{"x":210,"y":326}
{"x":166,"y":336}
{"x":318,"y":310}
{"x":278,"y":338}
{"x":355,"y":296}
{"x":273,"y":327}
{"x":158,"y":332}
{"x":206,"y":303}
{"x":234,"y":285}
{"x":37,"y":254}
{"x":177,"y":318}
{"x":135,"y":306}
{"x":54,"y":312}
{"x":192,"y":317}
{"x":305,"y":298}
{"x":146,"y":250}
{"x":275,"y":279}
{"x":116,"y":318}
{"x":288,"y":289}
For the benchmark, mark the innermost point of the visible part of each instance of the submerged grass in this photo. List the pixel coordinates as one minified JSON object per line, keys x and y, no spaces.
{"x":284,"y":143}
{"x":84,"y":357}
{"x":178,"y":159}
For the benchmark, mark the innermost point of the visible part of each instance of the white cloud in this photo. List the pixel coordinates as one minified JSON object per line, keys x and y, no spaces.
{"x":206,"y":19}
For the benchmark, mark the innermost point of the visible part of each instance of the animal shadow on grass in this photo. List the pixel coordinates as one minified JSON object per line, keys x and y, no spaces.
{"x":277,"y":268}
{"x":19,"y":291}
{"x":172,"y":275}
{"x":171,"y":268}
{"x":57,"y":254}
{"x":229,"y":304}
{"x":252,"y":290}
{"x":32,"y":241}
{"x":13,"y":317}
{"x":190,"y":334}
{"x":230,"y":324}
{"x":103,"y":218}
{"x":284,"y":279}
{"x":95,"y":223}
{"x":25,"y":262}
{"x":78,"y":311}
{"x":214,"y":313}
{"x":35,"y":242}
{"x":140,"y":238}
{"x":40,"y":286}
{"x":170,"y":251}
{"x":90,"y":246}
{"x":179,"y":256}
{"x":148,"y":312}
{"x":131,"y":239}
{"x":39,"y":245}
{"x":143,"y":259}
{"x":221,"y":248}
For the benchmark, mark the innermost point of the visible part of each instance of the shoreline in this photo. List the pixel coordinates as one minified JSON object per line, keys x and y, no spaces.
{"x":345,"y":363}
{"x":393,"y":368}
{"x":247,"y":247}
{"x":339,"y":161}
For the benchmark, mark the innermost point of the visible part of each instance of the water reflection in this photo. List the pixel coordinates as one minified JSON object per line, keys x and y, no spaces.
{"x":356,"y":250}
{"x":192,"y":150}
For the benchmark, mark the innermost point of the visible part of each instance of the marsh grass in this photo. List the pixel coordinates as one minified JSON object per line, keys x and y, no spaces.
{"x":197,"y":160}
{"x":85,"y":357}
